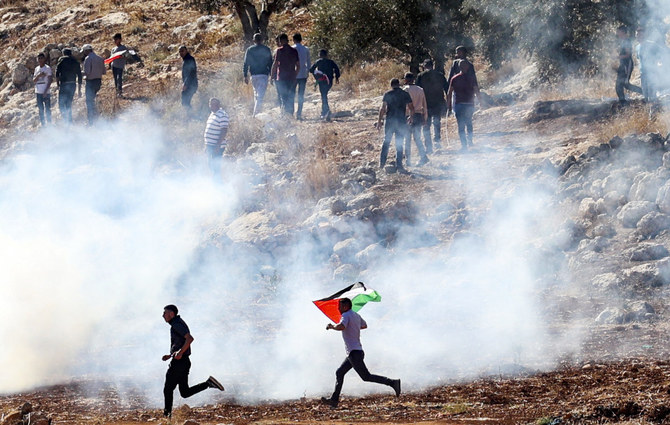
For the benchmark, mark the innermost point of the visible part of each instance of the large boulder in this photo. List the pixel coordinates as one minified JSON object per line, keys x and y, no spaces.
{"x":645,"y":187}
{"x":638,"y":311}
{"x":370,"y":254}
{"x":646,"y":275}
{"x":588,"y":208}
{"x":632,"y":212}
{"x":611,"y":316}
{"x":347,"y":249}
{"x":251,"y":227}
{"x":68,"y":17}
{"x":646,"y":252}
{"x":20,"y":75}
{"x":365,"y":200}
{"x":114,"y":19}
{"x":652,"y":224}
{"x":606,"y":281}
{"x":53,"y":55}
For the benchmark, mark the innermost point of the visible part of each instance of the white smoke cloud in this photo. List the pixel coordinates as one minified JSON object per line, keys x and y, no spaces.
{"x":97,"y":237}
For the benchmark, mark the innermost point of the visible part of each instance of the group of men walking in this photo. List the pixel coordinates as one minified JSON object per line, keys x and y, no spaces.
{"x":288,"y":70}
{"x":418,"y":107}
{"x":69,"y":77}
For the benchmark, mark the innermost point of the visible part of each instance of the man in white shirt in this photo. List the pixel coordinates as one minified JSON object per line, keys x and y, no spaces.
{"x":215,"y":135}
{"x":350,"y":325}
{"x":303,"y":72}
{"x":43,"y":77}
{"x":418,"y":120}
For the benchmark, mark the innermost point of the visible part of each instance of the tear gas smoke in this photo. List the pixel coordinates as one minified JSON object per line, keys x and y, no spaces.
{"x":97,"y":237}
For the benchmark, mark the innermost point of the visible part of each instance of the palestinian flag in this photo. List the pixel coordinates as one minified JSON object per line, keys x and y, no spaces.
{"x":359,"y":295}
{"x":114,"y":57}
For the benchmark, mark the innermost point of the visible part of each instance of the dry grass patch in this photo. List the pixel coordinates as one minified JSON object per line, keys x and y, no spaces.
{"x":371,"y":78}
{"x":321,"y":175}
{"x":634,"y":120}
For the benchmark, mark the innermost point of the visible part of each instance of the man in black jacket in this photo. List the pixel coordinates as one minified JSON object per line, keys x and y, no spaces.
{"x":68,"y":73}
{"x":258,"y":63}
{"x":180,"y":350}
{"x":325,"y":70}
{"x":434,"y":86}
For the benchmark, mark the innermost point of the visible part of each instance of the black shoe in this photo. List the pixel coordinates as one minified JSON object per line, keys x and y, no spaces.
{"x":329,"y":401}
{"x":167,"y":414}
{"x":396,"y":387}
{"x":213,"y":383}
{"x":402,"y":170}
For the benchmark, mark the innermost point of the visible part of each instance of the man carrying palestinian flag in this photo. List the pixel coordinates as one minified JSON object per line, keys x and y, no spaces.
{"x":350,"y":324}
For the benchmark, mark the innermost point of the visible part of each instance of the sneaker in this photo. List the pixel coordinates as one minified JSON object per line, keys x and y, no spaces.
{"x":423,"y":161}
{"x":396,"y":387}
{"x":167,"y":414}
{"x":330,"y":402}
{"x":402,"y":170}
{"x":213,"y":383}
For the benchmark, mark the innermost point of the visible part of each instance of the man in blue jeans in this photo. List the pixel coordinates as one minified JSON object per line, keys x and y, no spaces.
{"x":303,"y":72}
{"x":94,"y":69}
{"x":394,"y":104}
{"x":180,"y":350}
{"x":284,"y":71}
{"x":464,"y":89}
{"x":68,"y":79}
{"x":350,"y":325}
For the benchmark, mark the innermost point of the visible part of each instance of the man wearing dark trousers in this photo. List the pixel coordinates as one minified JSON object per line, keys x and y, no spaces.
{"x":325,"y":71}
{"x":68,"y":79}
{"x":394,"y":105}
{"x":350,"y":325}
{"x":180,"y":350}
{"x":118,"y":64}
{"x":435,"y":86}
{"x":284,"y":71}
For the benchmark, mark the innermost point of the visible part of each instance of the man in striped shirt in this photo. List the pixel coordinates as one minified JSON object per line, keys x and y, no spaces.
{"x":215,"y":135}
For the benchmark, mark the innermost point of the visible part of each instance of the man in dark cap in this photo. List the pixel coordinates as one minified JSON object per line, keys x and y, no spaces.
{"x":180,"y":365}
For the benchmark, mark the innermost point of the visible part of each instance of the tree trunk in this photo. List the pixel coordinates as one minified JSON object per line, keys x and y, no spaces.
{"x":247,"y":24}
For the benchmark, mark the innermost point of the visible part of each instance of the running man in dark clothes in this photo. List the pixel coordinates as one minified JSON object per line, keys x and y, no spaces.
{"x":180,"y":350}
